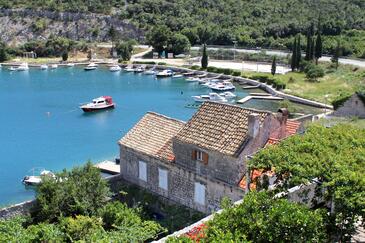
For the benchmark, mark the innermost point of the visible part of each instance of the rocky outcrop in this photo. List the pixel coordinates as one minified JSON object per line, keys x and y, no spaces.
{"x":21,"y":25}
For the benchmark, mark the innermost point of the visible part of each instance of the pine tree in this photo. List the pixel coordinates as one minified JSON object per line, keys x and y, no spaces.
{"x":204,"y":61}
{"x":273,"y":66}
{"x":294,"y":55}
{"x":318,"y":49}
{"x":298,"y":53}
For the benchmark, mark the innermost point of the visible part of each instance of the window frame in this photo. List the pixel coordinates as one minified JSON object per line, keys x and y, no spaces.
{"x":163,"y":184}
{"x":142,"y":176}
{"x":199,"y":193}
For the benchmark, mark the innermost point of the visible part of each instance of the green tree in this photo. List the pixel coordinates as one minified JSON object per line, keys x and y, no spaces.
{"x":65,"y":56}
{"x":273,"y":66}
{"x":179,"y":44}
{"x":158,"y":37}
{"x":298,"y":54}
{"x":259,"y":218}
{"x":335,"y":156}
{"x":124,"y":50}
{"x":336,"y":55}
{"x":81,"y":228}
{"x":204,"y":61}
{"x":308,"y":51}
{"x":81,"y":191}
{"x":294,"y":55}
{"x":318,"y":48}
{"x":3,"y":54}
{"x":44,"y":232}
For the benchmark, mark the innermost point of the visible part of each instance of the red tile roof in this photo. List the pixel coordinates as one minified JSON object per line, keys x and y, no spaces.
{"x":291,"y":128}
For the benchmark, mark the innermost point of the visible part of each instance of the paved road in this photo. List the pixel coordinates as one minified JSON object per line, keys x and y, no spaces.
{"x":355,"y":62}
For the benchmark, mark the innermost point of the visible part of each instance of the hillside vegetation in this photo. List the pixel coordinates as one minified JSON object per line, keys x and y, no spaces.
{"x":265,"y":23}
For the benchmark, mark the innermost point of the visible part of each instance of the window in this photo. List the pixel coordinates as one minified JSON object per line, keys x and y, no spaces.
{"x":200,"y":156}
{"x":142,"y":170}
{"x":162,"y":178}
{"x":199,"y":193}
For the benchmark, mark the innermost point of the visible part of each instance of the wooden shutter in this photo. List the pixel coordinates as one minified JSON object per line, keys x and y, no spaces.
{"x":193,"y":155}
{"x":205,"y":158}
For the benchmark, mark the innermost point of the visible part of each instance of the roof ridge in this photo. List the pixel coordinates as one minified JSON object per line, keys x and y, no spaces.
{"x":240,"y":107}
{"x":164,"y":116}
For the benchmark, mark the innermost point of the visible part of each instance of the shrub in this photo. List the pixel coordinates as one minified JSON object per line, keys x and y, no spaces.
{"x":161,"y":63}
{"x":313,"y":72}
{"x":236,"y":73}
{"x":142,"y":62}
{"x":195,"y":67}
{"x":212,"y":69}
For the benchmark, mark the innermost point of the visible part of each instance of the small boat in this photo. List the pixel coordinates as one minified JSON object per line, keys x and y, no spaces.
{"x":211,"y":82}
{"x":22,"y":67}
{"x":150,"y":72}
{"x":228,"y":95}
{"x":178,"y":76}
{"x":129,"y":69}
{"x":225,"y":86}
{"x":211,"y":97}
{"x":193,"y":79}
{"x":165,"y":73}
{"x":101,"y":103}
{"x":139,"y":70}
{"x":70,"y":64}
{"x":91,"y":66}
{"x":115,"y":68}
{"x":43,"y":67}
{"x":54,"y":66}
{"x":34,"y":179}
{"x":13,"y":68}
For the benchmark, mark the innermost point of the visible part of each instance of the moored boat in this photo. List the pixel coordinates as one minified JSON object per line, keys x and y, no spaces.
{"x":222,"y":87}
{"x":70,"y":64}
{"x":35,"y":179}
{"x":178,"y":76}
{"x":228,"y":95}
{"x":129,"y":68}
{"x":22,"y":67}
{"x":211,"y":97}
{"x":139,"y":70}
{"x":165,"y":73}
{"x":150,"y":72}
{"x":101,"y":103}
{"x":91,"y":66}
{"x":43,"y":67}
{"x":193,"y":79}
{"x":54,"y":66}
{"x":115,"y":68}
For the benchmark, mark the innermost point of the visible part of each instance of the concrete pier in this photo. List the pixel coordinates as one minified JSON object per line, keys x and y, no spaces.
{"x":109,"y":167}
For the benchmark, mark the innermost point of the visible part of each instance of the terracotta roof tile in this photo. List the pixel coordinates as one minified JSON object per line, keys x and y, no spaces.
{"x":291,"y":128}
{"x":152,"y":135}
{"x":219,"y":127}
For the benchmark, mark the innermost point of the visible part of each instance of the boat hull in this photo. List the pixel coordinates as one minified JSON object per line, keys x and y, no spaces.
{"x":93,"y":109}
{"x":222,"y":89}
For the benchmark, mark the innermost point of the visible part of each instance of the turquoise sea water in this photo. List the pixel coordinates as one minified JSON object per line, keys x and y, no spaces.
{"x":42,"y":126}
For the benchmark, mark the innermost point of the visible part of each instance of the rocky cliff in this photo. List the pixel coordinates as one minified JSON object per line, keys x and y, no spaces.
{"x":21,"y":25}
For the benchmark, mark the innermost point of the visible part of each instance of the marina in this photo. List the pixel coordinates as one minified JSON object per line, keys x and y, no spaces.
{"x":51,"y":122}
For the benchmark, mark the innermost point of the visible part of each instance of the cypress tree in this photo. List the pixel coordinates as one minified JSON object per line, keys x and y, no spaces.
{"x":294,"y":55}
{"x":337,"y":54}
{"x":318,"y":49}
{"x":298,"y":54}
{"x":273,"y":66}
{"x":204,"y":61}
{"x":308,"y":47}
{"x":312,"y":49}
{"x":3,"y":56}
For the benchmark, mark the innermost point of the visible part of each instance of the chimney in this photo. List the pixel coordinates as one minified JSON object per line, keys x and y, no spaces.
{"x":283,"y":118}
{"x":253,"y":125}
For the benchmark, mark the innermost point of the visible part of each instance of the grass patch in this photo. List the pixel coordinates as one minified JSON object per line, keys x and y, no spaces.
{"x":345,"y":79}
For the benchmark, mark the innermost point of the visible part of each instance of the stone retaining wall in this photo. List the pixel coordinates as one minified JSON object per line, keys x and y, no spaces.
{"x":16,"y":210}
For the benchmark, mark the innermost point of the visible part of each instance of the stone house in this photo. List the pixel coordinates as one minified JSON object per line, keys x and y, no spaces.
{"x":354,"y":106}
{"x":199,"y":162}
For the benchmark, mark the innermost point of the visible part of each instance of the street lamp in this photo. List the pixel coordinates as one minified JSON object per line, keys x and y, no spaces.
{"x":234,"y":49}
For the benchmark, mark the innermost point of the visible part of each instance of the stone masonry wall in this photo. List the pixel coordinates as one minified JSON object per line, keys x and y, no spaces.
{"x":352,"y":107}
{"x":16,"y":210}
{"x":180,"y":182}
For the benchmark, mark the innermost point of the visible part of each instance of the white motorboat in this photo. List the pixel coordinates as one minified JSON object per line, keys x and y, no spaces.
{"x":22,"y":67}
{"x":101,"y":103}
{"x":70,"y":64}
{"x":193,"y":79}
{"x":150,"y":72}
{"x":13,"y":68}
{"x":211,"y":97}
{"x":139,"y":70}
{"x":44,"y":67}
{"x":178,"y":76}
{"x":129,"y":69}
{"x":35,"y":179}
{"x":115,"y":68}
{"x":228,"y":95}
{"x":222,"y":87}
{"x":165,"y":73}
{"x":91,"y":66}
{"x":54,"y":66}
{"x":211,"y":82}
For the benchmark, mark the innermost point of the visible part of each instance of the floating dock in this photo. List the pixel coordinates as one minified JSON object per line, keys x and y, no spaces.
{"x":251,"y":87}
{"x":247,"y":98}
{"x":109,"y":167}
